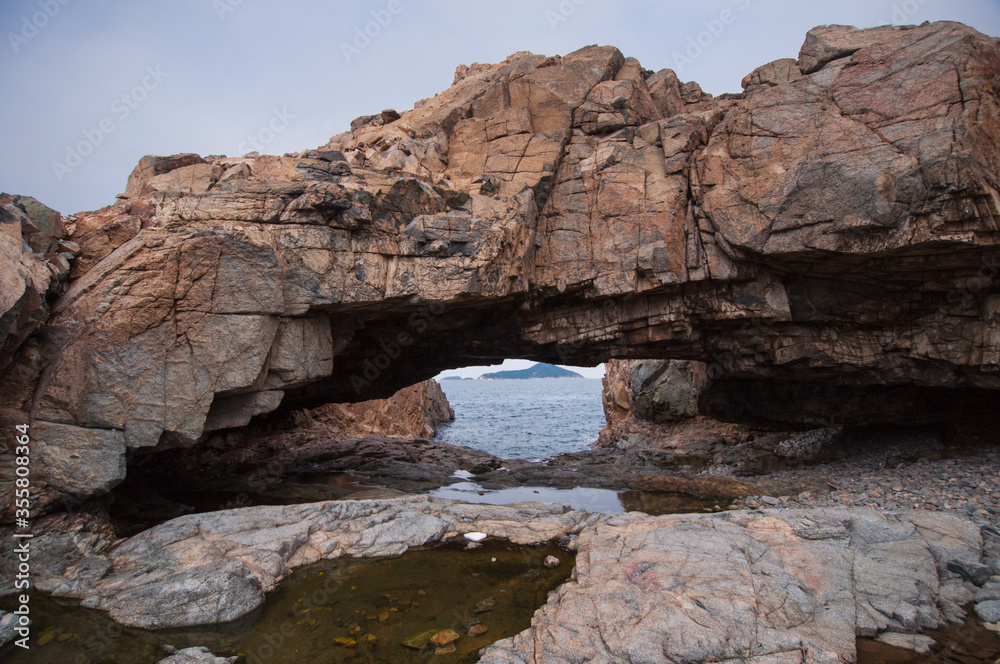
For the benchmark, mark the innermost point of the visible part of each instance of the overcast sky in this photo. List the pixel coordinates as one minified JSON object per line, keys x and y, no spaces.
{"x":90,"y":87}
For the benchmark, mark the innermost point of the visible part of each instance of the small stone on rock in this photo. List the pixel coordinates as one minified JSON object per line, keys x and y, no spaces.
{"x":971,"y":572}
{"x":989,"y":611}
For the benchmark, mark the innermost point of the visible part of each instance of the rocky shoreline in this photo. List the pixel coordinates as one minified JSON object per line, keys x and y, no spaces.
{"x":808,"y":246}
{"x":740,"y":584}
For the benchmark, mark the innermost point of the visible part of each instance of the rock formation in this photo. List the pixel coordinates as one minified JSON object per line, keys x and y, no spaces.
{"x":413,"y":412}
{"x":34,"y":265}
{"x":828,"y":234}
{"x":197,"y":656}
{"x":210,"y":568}
{"x":771,"y":585}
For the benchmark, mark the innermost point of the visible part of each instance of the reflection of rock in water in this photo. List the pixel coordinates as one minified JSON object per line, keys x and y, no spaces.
{"x":656,"y":503}
{"x":956,"y":644}
{"x":341,"y":611}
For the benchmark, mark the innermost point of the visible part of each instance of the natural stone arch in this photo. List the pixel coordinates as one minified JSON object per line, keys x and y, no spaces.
{"x":833,"y":231}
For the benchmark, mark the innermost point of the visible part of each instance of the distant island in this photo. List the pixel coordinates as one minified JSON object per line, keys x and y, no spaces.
{"x":455,"y":378}
{"x":540,"y":370}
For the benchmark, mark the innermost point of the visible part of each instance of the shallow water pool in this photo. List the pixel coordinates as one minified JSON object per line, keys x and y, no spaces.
{"x":357,"y":611}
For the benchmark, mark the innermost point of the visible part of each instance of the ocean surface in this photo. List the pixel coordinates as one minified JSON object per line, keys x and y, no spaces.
{"x":524,"y":419}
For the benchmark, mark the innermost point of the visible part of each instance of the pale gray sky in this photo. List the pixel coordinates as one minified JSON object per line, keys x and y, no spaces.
{"x":92,"y":87}
{"x":476,"y":372}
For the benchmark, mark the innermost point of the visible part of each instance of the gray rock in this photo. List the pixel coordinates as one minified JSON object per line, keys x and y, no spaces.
{"x":7,"y":623}
{"x":971,"y":572}
{"x":331,"y":155}
{"x":918,"y":643}
{"x":740,"y":586}
{"x":211,"y":568}
{"x":196,"y":656}
{"x":79,"y":460}
{"x":988,"y":611}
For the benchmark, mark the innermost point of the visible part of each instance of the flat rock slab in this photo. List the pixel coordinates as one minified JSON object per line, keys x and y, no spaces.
{"x":770,"y":586}
{"x":763,"y":586}
{"x":215,"y":567}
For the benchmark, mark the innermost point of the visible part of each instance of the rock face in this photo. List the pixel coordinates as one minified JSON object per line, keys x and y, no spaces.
{"x":793,"y":585}
{"x":34,"y":264}
{"x":828,"y":234}
{"x":645,"y":400}
{"x":413,"y":412}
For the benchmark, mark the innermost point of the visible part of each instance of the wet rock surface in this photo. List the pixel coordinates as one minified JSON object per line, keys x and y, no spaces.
{"x":748,"y":584}
{"x":215,"y":567}
{"x":7,"y":623}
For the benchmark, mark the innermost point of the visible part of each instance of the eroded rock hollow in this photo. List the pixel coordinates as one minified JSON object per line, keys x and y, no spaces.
{"x":825,"y":242}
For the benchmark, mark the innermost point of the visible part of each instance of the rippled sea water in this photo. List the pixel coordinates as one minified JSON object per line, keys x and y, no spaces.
{"x":524,"y":419}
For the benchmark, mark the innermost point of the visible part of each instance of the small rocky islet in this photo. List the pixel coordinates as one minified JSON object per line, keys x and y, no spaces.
{"x":817,"y":254}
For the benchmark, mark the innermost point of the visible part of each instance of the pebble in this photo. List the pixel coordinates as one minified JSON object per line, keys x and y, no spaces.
{"x":969,"y":483}
{"x":551,"y":561}
{"x":444,"y":637}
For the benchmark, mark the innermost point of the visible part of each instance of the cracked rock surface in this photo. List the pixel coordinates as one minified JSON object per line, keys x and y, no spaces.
{"x":815,"y":238}
{"x":795,"y":584}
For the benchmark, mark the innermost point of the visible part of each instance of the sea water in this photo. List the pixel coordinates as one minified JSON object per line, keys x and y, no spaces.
{"x":524,"y":419}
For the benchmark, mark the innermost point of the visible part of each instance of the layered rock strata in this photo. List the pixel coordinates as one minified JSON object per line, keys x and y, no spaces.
{"x":827,"y":234}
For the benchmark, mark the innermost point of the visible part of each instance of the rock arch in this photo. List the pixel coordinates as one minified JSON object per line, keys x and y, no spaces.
{"x":830,"y":231}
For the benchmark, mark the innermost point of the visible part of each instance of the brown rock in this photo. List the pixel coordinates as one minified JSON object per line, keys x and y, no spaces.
{"x":551,"y":561}
{"x":413,"y":412}
{"x":813,"y":240}
{"x":444,"y":637}
{"x":830,"y":42}
{"x":477,"y":630}
{"x":152,"y":166}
